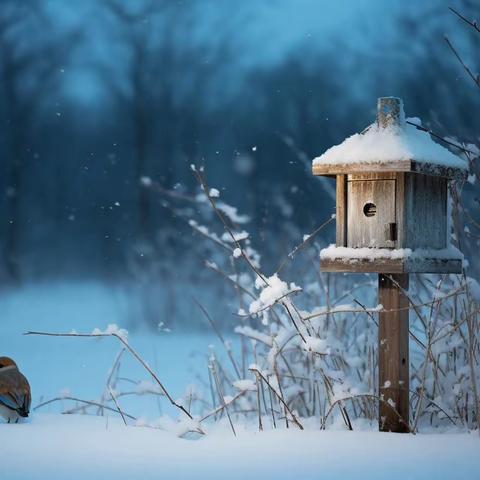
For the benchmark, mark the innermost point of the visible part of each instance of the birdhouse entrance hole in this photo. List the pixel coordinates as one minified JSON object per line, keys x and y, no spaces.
{"x":369,"y":209}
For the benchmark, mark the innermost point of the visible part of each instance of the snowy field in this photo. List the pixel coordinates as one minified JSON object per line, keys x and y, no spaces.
{"x":54,"y":446}
{"x":79,"y":447}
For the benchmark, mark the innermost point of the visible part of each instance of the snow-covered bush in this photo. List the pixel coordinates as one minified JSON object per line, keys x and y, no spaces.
{"x":311,"y":350}
{"x":307,"y":352}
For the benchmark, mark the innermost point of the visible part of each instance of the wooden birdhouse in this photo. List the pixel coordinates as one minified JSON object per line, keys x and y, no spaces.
{"x":391,"y":198}
{"x":392,"y":218}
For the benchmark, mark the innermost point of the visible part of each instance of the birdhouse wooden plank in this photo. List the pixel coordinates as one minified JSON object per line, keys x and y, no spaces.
{"x":365,"y":264}
{"x":371,"y":216}
{"x":391,"y":198}
{"x":425,"y":209}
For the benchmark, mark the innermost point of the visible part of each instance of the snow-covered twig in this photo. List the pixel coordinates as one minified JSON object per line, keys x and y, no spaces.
{"x":224,"y":405}
{"x":129,"y":348}
{"x":201,"y":180}
{"x":439,"y":137}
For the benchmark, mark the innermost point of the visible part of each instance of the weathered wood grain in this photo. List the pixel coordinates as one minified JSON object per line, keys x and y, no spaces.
{"x":341,"y":211}
{"x":393,"y":361}
{"x":372,"y":176}
{"x":370,"y":231}
{"x":400,"y":209}
{"x":425,"y":211}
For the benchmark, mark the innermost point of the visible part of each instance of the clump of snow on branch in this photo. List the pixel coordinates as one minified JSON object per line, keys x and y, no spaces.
{"x":271,"y":291}
{"x":112,"y":329}
{"x":246,"y":385}
{"x":237,"y":236}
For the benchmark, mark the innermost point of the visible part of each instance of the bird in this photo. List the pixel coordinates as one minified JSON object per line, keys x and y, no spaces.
{"x":15,"y":396}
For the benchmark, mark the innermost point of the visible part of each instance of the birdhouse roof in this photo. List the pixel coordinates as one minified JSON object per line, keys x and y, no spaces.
{"x":397,"y":148}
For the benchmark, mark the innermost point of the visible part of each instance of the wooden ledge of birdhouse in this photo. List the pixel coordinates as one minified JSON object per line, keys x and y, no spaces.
{"x":384,"y":260}
{"x":411,"y":166}
{"x":397,"y":148}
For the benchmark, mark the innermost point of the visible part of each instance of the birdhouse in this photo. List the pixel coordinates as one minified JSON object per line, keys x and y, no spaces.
{"x":391,"y":198}
{"x":392,"y":218}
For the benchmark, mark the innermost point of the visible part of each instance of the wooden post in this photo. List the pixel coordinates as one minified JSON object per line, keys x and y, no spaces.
{"x":393,"y":363}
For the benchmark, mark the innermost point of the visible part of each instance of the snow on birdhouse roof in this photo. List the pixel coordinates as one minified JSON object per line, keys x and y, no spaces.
{"x":396,"y":147}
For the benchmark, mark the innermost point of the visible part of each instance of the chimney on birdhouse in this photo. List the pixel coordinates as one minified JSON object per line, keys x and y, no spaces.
{"x":390,"y":112}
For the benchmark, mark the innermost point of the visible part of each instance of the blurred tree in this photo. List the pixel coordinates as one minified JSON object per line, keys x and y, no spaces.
{"x":160,"y":80}
{"x":29,"y":60}
{"x":133,"y":88}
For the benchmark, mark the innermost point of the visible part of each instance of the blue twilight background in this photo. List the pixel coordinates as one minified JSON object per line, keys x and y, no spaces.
{"x":96,"y":94}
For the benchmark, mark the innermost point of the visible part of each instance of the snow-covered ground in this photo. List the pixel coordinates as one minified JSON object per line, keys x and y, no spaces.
{"x":54,"y":446}
{"x":79,"y":447}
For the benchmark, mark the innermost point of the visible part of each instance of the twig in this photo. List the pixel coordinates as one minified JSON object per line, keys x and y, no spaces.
{"x":431,"y":402}
{"x":203,"y":184}
{"x":304,"y":242}
{"x":473,"y":24}
{"x":86,"y":402}
{"x":230,"y":279}
{"x":475,"y":79}
{"x":219,"y":335}
{"x":219,"y":408}
{"x":129,"y":348}
{"x":110,"y":391}
{"x":220,"y":395}
{"x":383,"y":310}
{"x":113,"y":371}
{"x":433,"y":134}
{"x":259,"y":405}
{"x":294,"y":418}
{"x":364,"y":395}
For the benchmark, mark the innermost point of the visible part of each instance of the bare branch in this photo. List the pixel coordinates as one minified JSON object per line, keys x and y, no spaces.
{"x":294,"y":418}
{"x":117,"y":405}
{"x":473,"y":24}
{"x":90,"y":403}
{"x":475,"y":79}
{"x":129,"y":348}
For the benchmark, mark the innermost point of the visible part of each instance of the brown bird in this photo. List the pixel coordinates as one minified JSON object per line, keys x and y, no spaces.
{"x":15,"y":395}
